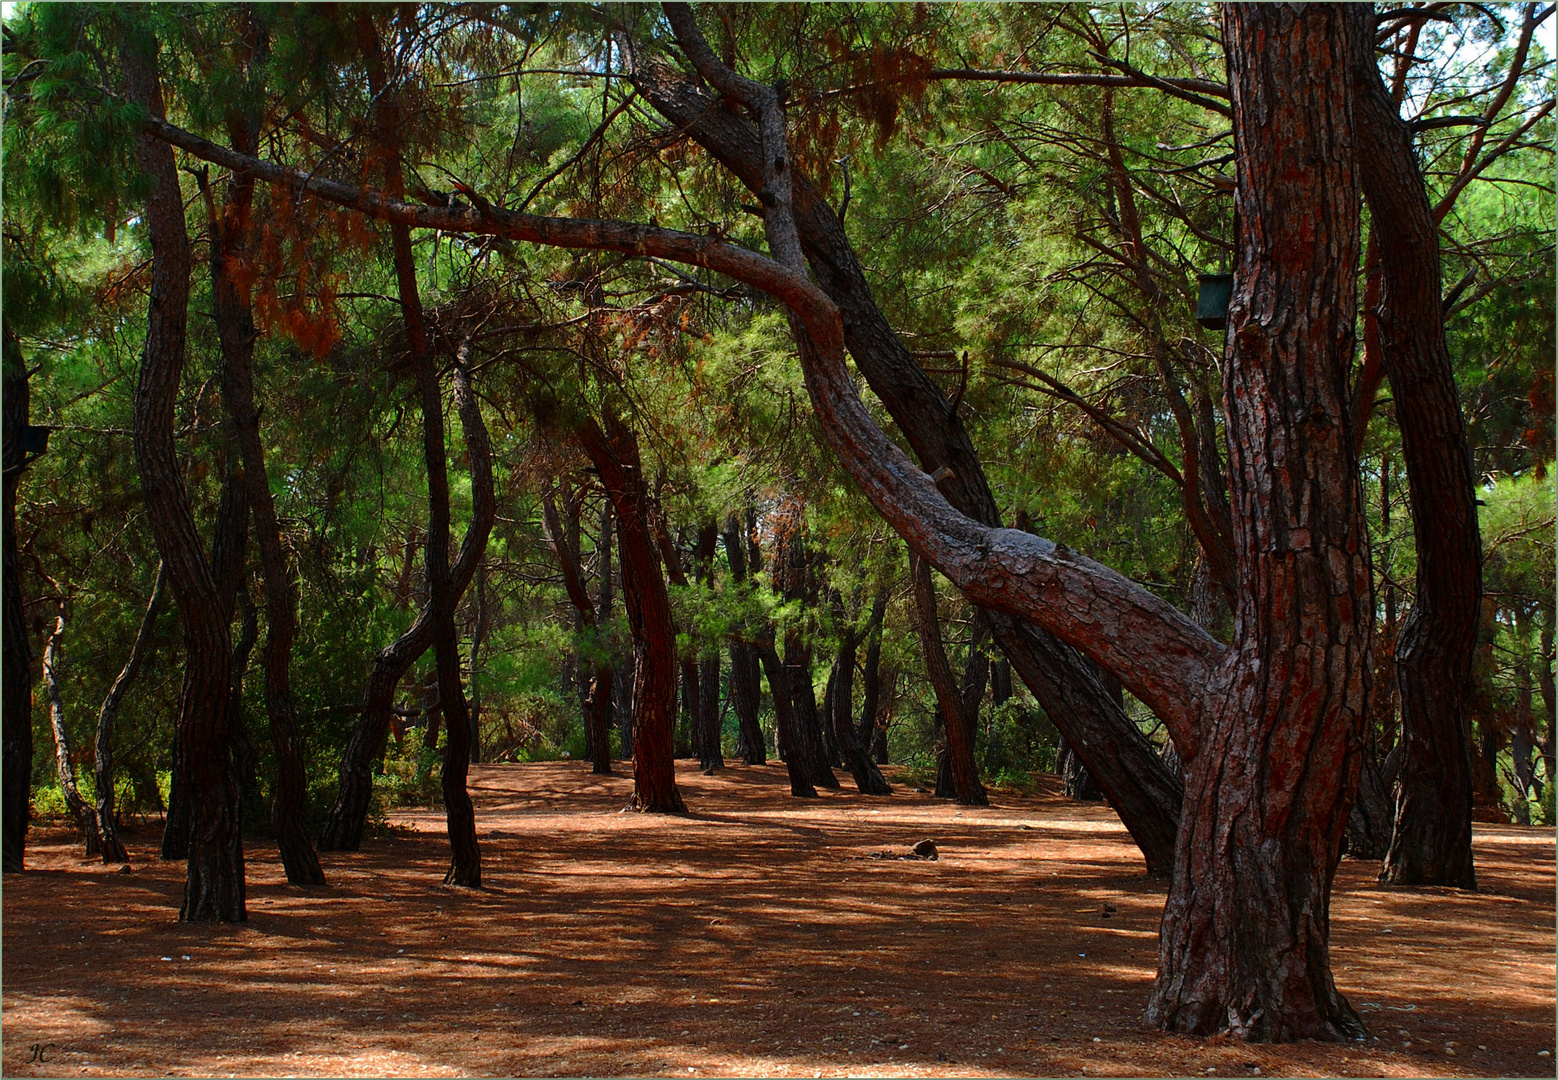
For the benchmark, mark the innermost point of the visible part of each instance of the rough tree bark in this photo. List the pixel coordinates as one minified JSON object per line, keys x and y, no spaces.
{"x":63,"y":753}
{"x":103,"y":774}
{"x":789,"y":739}
{"x":1431,"y":841}
{"x":1268,"y":725}
{"x":16,"y":679}
{"x":613,"y":449}
{"x":959,"y":727}
{"x":214,"y":879}
{"x":1244,"y":944}
{"x":1141,"y":789}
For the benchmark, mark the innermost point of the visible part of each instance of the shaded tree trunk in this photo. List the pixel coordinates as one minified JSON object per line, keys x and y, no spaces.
{"x":214,"y":880}
{"x":711,"y":755}
{"x":237,"y":334}
{"x":63,"y":755}
{"x":852,"y":748}
{"x":17,"y":676}
{"x":1140,"y":788}
{"x":788,"y":739}
{"x":613,"y":449}
{"x":103,"y":775}
{"x":460,"y":814}
{"x":1431,"y":844}
{"x":349,"y":813}
{"x":744,"y":678}
{"x":1076,"y":781}
{"x":966,"y":786}
{"x":602,"y":691}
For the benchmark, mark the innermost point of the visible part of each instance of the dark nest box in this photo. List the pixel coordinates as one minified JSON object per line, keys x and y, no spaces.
{"x":1212,"y":303}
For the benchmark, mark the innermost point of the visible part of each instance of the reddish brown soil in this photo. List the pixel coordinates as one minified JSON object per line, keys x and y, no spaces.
{"x":755,"y":937}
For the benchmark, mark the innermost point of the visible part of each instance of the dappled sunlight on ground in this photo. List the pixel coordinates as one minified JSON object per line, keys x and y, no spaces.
{"x":759,"y":935}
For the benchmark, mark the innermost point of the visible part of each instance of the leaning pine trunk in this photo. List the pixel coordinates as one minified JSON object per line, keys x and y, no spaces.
{"x":1244,"y":946}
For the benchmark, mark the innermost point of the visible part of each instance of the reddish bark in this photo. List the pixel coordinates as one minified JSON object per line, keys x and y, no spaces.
{"x":613,"y":449}
{"x":1244,"y":945}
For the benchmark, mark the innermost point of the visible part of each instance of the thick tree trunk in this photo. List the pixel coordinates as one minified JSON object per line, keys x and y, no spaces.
{"x":63,"y":754}
{"x":17,"y":677}
{"x":808,"y":742}
{"x":237,"y":334}
{"x":1244,"y":946}
{"x":103,"y":775}
{"x":613,"y":449}
{"x":1431,"y":844}
{"x":214,"y":882}
{"x":745,"y":688}
{"x":966,"y":786}
{"x":602,"y":690}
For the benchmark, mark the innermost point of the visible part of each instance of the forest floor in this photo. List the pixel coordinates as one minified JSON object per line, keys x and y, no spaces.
{"x":759,"y":935}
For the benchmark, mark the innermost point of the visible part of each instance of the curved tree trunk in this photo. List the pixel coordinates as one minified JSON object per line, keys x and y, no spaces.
{"x":103,"y":775}
{"x":1245,"y":941}
{"x":1139,"y":786}
{"x":214,"y":881}
{"x":614,"y":451}
{"x":237,"y":334}
{"x":17,"y":677}
{"x":85,"y":821}
{"x":1431,"y":843}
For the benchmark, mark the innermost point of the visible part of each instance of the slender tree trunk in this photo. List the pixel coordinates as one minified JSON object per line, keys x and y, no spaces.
{"x":602,"y":690}
{"x":16,"y":679}
{"x":85,"y":821}
{"x":871,"y":677}
{"x":1431,"y":844}
{"x":966,"y":786}
{"x":103,"y":776}
{"x":460,"y":814}
{"x":1244,"y":946}
{"x":614,"y":451}
{"x":349,"y":813}
{"x":744,"y":677}
{"x":788,"y":738}
{"x":711,"y":755}
{"x":214,"y":882}
{"x":854,"y":749}
{"x":237,"y":334}
{"x":478,"y":637}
